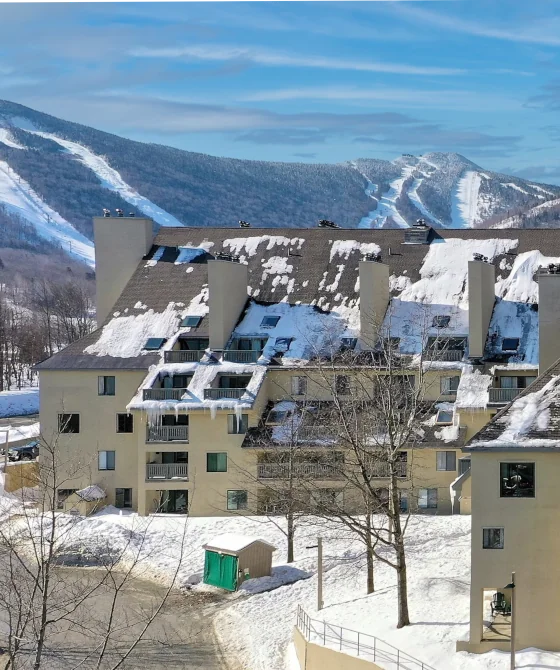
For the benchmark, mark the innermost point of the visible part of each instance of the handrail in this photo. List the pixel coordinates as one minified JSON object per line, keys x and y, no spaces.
{"x":368,"y":647}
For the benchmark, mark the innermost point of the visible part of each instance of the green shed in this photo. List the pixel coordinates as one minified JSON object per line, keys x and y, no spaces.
{"x":230,"y":559}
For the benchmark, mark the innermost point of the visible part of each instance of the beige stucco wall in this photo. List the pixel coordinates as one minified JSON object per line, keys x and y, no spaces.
{"x":227,"y":296}
{"x":315,"y":657}
{"x":120,"y":244}
{"x":549,"y":320}
{"x":374,"y":298}
{"x":474,"y":420}
{"x":481,"y":278}
{"x":531,"y":546}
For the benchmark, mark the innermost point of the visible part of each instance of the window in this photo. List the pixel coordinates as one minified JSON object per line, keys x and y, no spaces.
{"x":492,"y":538}
{"x":299,"y":385}
{"x":173,"y":502}
{"x":68,"y":423}
{"x":105,"y":385}
{"x":444,"y":416}
{"x":510,"y":344}
{"x":61,"y":496}
{"x":191,"y":321}
{"x":342,"y":384}
{"x":234,"y":382}
{"x":464,"y":465}
{"x":516,"y":382}
{"x":176,"y":382}
{"x":193,"y":343}
{"x":446,"y":460}
{"x":154,"y":343}
{"x":441,"y":321}
{"x":270,"y":321}
{"x":172,"y":420}
{"x":216,"y":462}
{"x":125,"y":423}
{"x":328,"y":498}
{"x":106,"y":460}
{"x":348,"y":343}
{"x":237,"y":500}
{"x":237,"y":425}
{"x":403,"y":501}
{"x":517,"y":480}
{"x":123,"y":498}
{"x":427,"y":499}
{"x":282,"y":344}
{"x":449,"y":385}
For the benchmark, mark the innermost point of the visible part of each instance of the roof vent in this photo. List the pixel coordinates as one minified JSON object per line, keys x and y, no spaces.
{"x":223,"y":256}
{"x":325,"y":223}
{"x":554,"y":269}
{"x":244,"y":224}
{"x":119,"y":212}
{"x":131,"y":214}
{"x":376,"y":258}
{"x":481,"y":258}
{"x":106,"y":212}
{"x":418,"y":234}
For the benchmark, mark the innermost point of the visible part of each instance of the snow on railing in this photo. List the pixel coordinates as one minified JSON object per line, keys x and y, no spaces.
{"x":353,"y":642}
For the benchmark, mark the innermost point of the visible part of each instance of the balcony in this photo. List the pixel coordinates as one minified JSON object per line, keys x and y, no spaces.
{"x":503,"y":396}
{"x":314,"y":433}
{"x":167,"y":434}
{"x":183,"y":356}
{"x":311,"y":470}
{"x":223,"y":394}
{"x":163,"y":394}
{"x":445,"y":355}
{"x":162,"y":471}
{"x":241,"y":356}
{"x":382,"y":470}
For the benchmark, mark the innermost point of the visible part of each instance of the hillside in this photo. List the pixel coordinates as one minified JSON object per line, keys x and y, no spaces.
{"x":55,"y":175}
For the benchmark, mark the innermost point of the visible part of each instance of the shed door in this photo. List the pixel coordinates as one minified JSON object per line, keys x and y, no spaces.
{"x":220,"y":570}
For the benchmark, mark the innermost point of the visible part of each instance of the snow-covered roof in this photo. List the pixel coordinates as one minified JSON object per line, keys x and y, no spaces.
{"x":472,"y":392}
{"x":91,"y":493}
{"x":234,"y":543}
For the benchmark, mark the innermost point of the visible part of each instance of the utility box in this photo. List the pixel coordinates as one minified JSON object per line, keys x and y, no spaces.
{"x":230,"y":559}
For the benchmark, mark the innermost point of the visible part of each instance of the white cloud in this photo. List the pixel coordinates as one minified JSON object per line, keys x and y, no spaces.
{"x":210,"y":52}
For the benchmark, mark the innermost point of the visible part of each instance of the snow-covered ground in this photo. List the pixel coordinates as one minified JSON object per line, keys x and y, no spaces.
{"x":19,"y":198}
{"x":256,"y":626}
{"x":19,"y":403}
{"x":111,"y":179}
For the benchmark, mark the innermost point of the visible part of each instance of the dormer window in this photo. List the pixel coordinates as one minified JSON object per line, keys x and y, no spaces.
{"x":154,"y":343}
{"x":444,"y":417}
{"x":282,"y":343}
{"x":191,"y":321}
{"x":510,"y":344}
{"x":270,"y":321}
{"x":441,"y":321}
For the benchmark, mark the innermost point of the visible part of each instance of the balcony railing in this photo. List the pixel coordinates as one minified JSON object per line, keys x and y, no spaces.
{"x":167,"y":471}
{"x":446,"y":355}
{"x":382,"y":470}
{"x":314,"y":433}
{"x":163,"y":394}
{"x":312,"y":470}
{"x":183,"y":356}
{"x":503,"y":395}
{"x":167,"y":434}
{"x":241,"y":356}
{"x":221,"y":394}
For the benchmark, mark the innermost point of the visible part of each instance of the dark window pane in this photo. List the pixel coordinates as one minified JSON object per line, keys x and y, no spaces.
{"x":493,"y":538}
{"x":517,"y":480}
{"x":69,"y":423}
{"x":125,"y":423}
{"x":237,"y":425}
{"x":216,"y":462}
{"x":123,"y":498}
{"x":237,"y":500}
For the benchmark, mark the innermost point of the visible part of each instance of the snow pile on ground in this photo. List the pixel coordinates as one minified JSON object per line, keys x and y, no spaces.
{"x":19,"y":403}
{"x":18,"y":433}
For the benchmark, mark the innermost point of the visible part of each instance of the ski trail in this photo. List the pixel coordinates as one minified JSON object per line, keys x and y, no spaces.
{"x":370,"y":189}
{"x":19,"y":198}
{"x":7,"y":139}
{"x":386,"y":206}
{"x":112,"y":180}
{"x":464,"y":209}
{"x":416,"y":200}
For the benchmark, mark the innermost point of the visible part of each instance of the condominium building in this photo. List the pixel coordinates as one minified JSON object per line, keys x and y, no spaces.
{"x":210,"y":337}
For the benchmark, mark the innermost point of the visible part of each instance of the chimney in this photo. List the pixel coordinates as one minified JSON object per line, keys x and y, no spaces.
{"x":549,"y":318}
{"x":120,"y":244}
{"x":374,"y":299}
{"x":481,"y":288}
{"x":227,"y":296}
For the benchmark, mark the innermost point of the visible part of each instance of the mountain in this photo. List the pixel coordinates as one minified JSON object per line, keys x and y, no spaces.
{"x":55,"y":175}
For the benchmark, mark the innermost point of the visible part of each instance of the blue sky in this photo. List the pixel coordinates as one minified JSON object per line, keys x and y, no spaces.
{"x":314,"y":82}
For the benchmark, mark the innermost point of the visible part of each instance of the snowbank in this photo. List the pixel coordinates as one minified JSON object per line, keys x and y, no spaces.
{"x":19,"y":403}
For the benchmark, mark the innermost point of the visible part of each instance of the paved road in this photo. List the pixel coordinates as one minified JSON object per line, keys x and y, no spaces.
{"x":182,"y":636}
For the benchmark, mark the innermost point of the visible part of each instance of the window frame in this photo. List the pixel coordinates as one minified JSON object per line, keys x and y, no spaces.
{"x":238,"y":506}
{"x":445,"y":385}
{"x":243,"y":423}
{"x":184,"y":320}
{"x":301,"y":388}
{"x":61,"y":424}
{"x":152,"y":347}
{"x":270,"y":316}
{"x":124,"y":505}
{"x":216,"y":453}
{"x":342,"y":384}
{"x":420,"y":497}
{"x":518,"y":463}
{"x":103,"y":388}
{"x":510,"y":339}
{"x":108,"y":459}
{"x":125,"y":432}
{"x":486,"y":544}
{"x":448,"y":453}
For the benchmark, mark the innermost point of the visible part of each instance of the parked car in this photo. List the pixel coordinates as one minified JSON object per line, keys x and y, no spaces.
{"x":27,"y":452}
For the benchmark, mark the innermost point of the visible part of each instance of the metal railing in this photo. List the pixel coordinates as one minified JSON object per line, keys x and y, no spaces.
{"x":241,"y":356}
{"x":163,"y":394}
{"x":367,"y":647}
{"x":382,"y":470}
{"x":503,"y":395}
{"x":312,"y":470}
{"x":167,"y":471}
{"x":314,"y":433}
{"x":183,"y":356}
{"x":167,"y":434}
{"x":445,"y":355}
{"x":219,"y":394}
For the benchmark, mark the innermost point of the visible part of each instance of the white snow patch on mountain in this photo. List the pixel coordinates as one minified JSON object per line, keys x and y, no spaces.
{"x":113,"y":181}
{"x":387,"y":207}
{"x":7,"y":139}
{"x":465,"y":200}
{"x":19,"y":198}
{"x":415,"y":198}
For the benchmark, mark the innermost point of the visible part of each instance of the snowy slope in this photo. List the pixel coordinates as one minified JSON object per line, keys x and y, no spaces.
{"x":19,"y":198}
{"x":465,"y":200}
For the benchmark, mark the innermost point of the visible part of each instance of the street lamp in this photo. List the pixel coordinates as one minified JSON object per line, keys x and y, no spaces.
{"x":511,"y":586}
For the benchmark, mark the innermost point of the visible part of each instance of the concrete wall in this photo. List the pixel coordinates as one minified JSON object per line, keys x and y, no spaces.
{"x":531,"y":547}
{"x":257,"y":559}
{"x":481,"y":286}
{"x":549,"y":320}
{"x":120,"y":244}
{"x":227,"y":296}
{"x":313,"y":656}
{"x":374,"y":298}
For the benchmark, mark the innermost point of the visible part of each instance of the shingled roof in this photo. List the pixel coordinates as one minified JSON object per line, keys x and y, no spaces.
{"x":530,"y":422}
{"x":317,"y":267}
